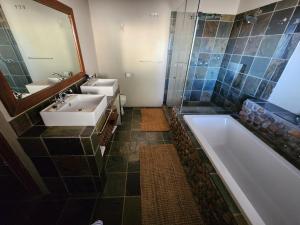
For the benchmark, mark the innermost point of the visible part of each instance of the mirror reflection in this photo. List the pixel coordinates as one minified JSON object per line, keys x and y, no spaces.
{"x":37,"y":46}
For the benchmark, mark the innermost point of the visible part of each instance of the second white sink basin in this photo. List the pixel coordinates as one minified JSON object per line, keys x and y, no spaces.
{"x":106,"y":87}
{"x":77,"y":110}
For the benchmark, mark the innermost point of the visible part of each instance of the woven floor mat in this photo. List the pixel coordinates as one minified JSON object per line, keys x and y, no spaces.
{"x":153,"y":119}
{"x":165,"y":193}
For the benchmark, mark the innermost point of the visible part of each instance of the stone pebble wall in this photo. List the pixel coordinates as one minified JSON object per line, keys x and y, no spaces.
{"x":282,"y":135}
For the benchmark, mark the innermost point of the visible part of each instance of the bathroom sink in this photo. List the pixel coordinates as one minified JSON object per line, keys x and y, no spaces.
{"x":77,"y":110}
{"x":106,"y":87}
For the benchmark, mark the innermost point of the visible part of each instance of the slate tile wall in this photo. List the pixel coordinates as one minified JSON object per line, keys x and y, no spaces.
{"x":257,"y":53}
{"x":12,"y":64}
{"x":210,"y":43}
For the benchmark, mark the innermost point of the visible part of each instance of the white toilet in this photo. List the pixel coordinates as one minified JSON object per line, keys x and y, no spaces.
{"x":122,"y":102}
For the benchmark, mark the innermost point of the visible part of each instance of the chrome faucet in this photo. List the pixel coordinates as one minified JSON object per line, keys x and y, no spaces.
{"x":18,"y":95}
{"x":62,"y":96}
{"x":59,"y":76}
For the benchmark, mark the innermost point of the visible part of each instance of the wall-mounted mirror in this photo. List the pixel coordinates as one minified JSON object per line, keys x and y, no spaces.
{"x":39,"y":48}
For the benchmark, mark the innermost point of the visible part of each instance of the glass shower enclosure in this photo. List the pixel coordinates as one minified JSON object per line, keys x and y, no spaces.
{"x":182,"y":33}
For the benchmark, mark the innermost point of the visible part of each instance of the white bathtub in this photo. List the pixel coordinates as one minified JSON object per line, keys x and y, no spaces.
{"x":264,"y":185}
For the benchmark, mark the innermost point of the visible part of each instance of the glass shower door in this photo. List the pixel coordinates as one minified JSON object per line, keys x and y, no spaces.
{"x":186,"y":20}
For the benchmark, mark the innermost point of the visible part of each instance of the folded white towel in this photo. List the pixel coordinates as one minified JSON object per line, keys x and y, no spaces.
{"x":98,"y":222}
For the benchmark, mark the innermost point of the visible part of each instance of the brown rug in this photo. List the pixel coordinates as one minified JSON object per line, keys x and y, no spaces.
{"x":165,"y":194}
{"x":153,"y":119}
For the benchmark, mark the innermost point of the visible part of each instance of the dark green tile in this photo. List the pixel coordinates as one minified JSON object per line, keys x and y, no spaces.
{"x":133,"y":184}
{"x":115,"y":185}
{"x":119,"y":148}
{"x":109,"y":210}
{"x":33,"y":147}
{"x":116,"y":164}
{"x":133,"y":166}
{"x":122,"y":136}
{"x":72,"y":165}
{"x":132,"y":211}
{"x":87,"y":145}
{"x":138,"y":136}
{"x":62,"y":132}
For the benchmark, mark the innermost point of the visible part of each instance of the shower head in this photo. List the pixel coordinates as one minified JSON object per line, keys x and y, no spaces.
{"x":251,"y":19}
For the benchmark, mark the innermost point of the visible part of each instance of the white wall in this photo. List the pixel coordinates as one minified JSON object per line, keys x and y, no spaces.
{"x":42,"y":32}
{"x":220,"y":6}
{"x":246,"y":5}
{"x":128,"y":39}
{"x":84,"y":27}
{"x":286,"y":94}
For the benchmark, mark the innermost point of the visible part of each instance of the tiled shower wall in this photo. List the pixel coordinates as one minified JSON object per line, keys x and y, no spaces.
{"x":257,"y":53}
{"x":12,"y":65}
{"x":210,"y":43}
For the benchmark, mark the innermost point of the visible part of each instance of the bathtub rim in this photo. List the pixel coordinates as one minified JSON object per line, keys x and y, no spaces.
{"x":239,"y":197}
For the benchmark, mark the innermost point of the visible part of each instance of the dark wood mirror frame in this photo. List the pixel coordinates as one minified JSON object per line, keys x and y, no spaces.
{"x":16,"y":106}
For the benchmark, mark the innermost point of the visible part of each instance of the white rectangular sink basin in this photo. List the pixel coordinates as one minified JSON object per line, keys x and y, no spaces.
{"x":77,"y":110}
{"x":106,"y":87}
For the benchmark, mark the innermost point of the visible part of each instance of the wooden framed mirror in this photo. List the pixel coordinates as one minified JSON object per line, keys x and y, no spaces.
{"x":42,"y":51}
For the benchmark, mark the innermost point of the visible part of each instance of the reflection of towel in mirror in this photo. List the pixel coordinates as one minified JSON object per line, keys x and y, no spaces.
{"x":98,"y":222}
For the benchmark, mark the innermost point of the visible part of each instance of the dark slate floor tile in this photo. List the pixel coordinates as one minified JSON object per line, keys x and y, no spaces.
{"x":33,"y":147}
{"x":35,"y":131}
{"x":45,"y":166}
{"x":132,"y":211}
{"x":109,"y":210}
{"x":115,"y":185}
{"x":133,"y":166}
{"x":116,"y":164}
{"x":119,"y":148}
{"x":47,"y":213}
{"x":133,"y":184}
{"x":21,"y":124}
{"x":279,"y":21}
{"x":64,"y":146}
{"x":154,"y":136}
{"x":77,"y":211}
{"x":122,"y":136}
{"x":62,"y":132}
{"x":138,"y":136}
{"x":77,"y":185}
{"x":72,"y":165}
